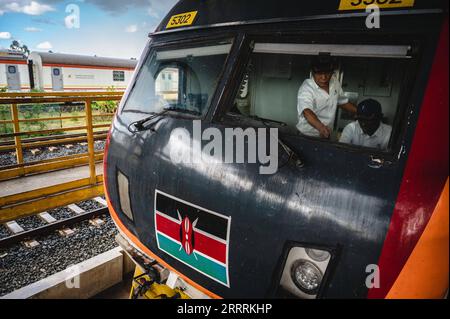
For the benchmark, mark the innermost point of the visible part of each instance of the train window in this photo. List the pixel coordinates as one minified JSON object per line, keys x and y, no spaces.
{"x":167,"y":85}
{"x":184,"y":78}
{"x":12,"y":69}
{"x":119,"y":76}
{"x":279,"y":85}
{"x":56,"y":72}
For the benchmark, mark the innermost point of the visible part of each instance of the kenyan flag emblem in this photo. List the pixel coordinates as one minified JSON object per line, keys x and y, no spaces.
{"x":193,"y":235}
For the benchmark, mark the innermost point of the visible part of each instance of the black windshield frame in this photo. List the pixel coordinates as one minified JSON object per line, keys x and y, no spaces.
{"x":176,"y":44}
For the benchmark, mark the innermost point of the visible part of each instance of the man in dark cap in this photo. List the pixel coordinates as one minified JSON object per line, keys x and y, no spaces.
{"x":368,"y":130}
{"x":318,"y":99}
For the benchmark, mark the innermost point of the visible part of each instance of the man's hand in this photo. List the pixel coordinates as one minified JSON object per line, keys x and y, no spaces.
{"x":311,"y":117}
{"x":325,"y":131}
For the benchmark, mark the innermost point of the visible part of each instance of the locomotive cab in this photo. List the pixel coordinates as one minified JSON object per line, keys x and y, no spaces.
{"x":314,"y":217}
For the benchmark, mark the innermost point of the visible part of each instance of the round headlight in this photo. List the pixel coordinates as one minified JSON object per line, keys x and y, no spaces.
{"x":318,"y":255}
{"x":306,"y":276}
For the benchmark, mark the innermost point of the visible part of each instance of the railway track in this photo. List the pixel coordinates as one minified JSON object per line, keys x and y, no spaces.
{"x":34,"y":142}
{"x":53,"y":242}
{"x":52,"y":224}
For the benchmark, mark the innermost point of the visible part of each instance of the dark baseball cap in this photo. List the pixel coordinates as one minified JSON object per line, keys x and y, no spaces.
{"x":369,"y":109}
{"x":322,"y":63}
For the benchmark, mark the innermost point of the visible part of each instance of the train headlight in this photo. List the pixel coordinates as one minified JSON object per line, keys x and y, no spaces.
{"x":317,"y":255}
{"x":306,"y":276}
{"x":305,"y":271}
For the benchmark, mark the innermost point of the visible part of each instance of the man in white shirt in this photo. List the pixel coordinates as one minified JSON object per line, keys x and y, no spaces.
{"x":318,"y":99}
{"x":368,"y":130}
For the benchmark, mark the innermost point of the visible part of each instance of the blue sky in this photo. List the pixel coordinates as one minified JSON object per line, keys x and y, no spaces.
{"x":112,"y":28}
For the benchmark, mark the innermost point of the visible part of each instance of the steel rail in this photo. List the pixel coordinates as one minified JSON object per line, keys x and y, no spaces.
{"x":43,"y":230}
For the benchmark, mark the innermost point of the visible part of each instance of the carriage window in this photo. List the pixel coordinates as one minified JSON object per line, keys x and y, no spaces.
{"x":12,"y":69}
{"x":167,"y":85}
{"x":279,"y":84}
{"x":183,"y":78}
{"x":56,"y":72}
{"x":119,"y":76}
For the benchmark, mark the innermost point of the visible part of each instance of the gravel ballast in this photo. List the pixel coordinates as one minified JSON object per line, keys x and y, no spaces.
{"x":90,"y":205}
{"x":4,"y":232}
{"x":31,"y":222}
{"x":22,"y":266}
{"x":61,"y":213}
{"x":7,"y":159}
{"x":44,"y":154}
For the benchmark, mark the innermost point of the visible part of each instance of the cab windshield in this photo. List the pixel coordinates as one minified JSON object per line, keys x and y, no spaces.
{"x":184,"y":78}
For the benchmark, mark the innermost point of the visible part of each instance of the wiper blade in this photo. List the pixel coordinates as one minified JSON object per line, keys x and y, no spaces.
{"x":185,"y":111}
{"x":265,"y":121}
{"x":292,"y":155}
{"x":139,"y":125}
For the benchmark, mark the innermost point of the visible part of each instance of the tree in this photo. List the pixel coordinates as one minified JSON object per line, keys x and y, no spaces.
{"x":15,"y":46}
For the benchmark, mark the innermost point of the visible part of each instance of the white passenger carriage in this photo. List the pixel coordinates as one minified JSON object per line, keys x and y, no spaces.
{"x":63,"y":72}
{"x":14,"y":74}
{"x":68,"y":72}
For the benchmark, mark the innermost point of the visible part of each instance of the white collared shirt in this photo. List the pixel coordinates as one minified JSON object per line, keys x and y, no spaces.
{"x":324,"y":105}
{"x":353,"y":134}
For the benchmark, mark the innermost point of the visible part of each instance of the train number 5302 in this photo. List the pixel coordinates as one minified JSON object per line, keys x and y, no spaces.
{"x":362,"y":4}
{"x":181,"y":20}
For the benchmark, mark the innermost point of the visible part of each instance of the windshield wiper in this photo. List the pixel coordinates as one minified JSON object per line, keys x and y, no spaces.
{"x":184,"y":111}
{"x":139,"y":125}
{"x":265,"y":121}
{"x":292,"y":155}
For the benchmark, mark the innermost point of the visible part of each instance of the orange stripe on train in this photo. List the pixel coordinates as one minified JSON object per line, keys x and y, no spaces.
{"x":425,"y":274}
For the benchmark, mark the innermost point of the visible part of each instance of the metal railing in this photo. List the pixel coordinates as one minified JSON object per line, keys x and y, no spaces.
{"x":31,"y":202}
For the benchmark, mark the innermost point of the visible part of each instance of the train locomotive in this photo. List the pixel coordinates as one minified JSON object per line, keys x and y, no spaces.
{"x":334,"y":220}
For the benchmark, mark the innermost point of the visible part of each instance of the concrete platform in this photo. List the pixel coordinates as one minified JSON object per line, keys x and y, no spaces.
{"x":29,"y":183}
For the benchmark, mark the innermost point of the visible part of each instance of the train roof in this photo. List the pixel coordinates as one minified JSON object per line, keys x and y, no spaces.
{"x":214,"y":13}
{"x":12,"y":55}
{"x":74,"y":59}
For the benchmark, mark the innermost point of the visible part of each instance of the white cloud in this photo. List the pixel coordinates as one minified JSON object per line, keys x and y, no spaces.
{"x":33,"y":29}
{"x":158,"y":7}
{"x":44,"y":46}
{"x":131,"y":28}
{"x":153,"y":13}
{"x":34,"y":8}
{"x":14,"y":7}
{"x":5,"y":35}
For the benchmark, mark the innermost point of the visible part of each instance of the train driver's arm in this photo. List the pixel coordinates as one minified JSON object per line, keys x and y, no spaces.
{"x":344,"y":103}
{"x":305,"y":108}
{"x":315,"y":122}
{"x":349,"y":107}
